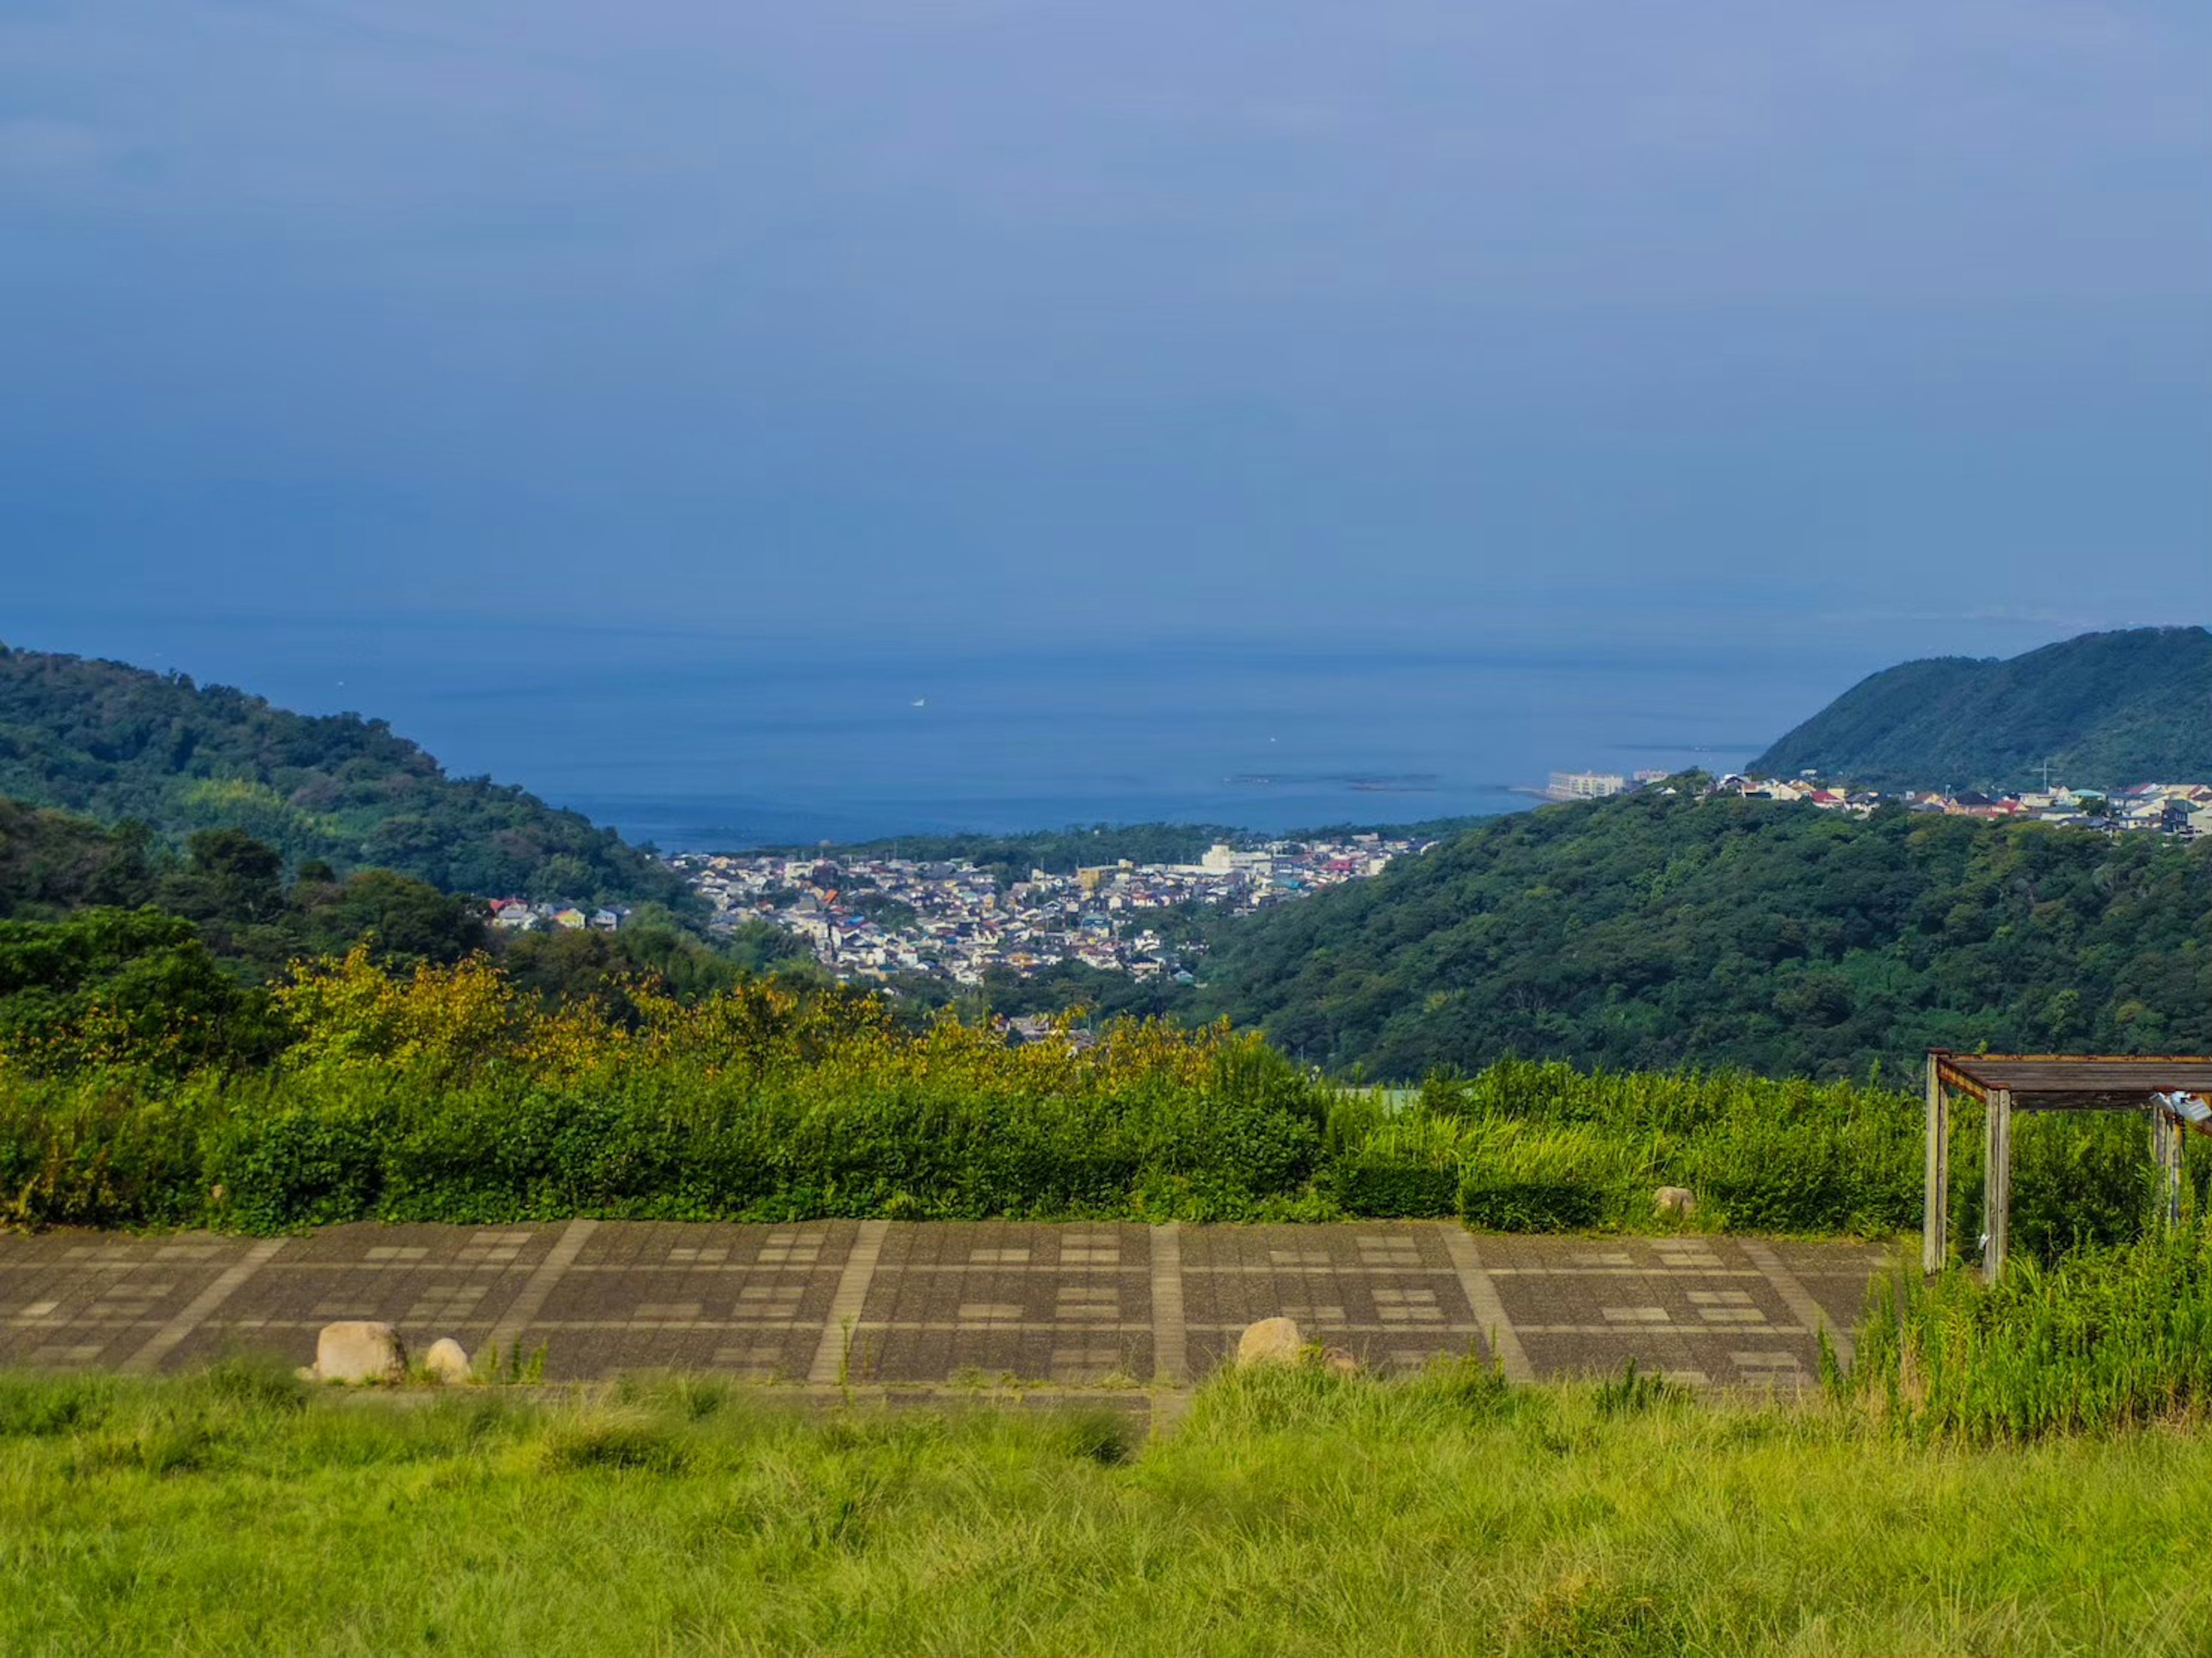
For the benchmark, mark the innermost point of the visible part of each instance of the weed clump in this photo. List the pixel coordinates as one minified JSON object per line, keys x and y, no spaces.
{"x":1637,"y":1392}
{"x":1105,"y":1437}
{"x":252,"y":1381}
{"x":45,"y":1408}
{"x":611,"y":1442}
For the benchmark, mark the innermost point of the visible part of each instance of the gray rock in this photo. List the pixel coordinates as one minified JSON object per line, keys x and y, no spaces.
{"x":447,"y":1361}
{"x":1675,"y":1200}
{"x":1271,"y":1341}
{"x":359,"y":1350}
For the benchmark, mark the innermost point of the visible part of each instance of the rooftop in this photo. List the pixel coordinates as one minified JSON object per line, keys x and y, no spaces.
{"x":2074,"y":1082}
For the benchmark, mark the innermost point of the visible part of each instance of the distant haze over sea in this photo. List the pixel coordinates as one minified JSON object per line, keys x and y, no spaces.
{"x":690,"y":740}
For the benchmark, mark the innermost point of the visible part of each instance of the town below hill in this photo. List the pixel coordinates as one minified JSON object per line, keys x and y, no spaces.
{"x":875,"y":917}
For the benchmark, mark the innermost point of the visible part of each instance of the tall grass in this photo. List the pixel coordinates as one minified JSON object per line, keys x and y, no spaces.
{"x":1291,"y":1513}
{"x":1546,"y":1145}
{"x":2107,"y":1338}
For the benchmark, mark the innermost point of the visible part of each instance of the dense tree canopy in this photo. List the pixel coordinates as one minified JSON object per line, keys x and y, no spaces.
{"x":1654,"y":930}
{"x":127,"y":986}
{"x":52,"y":862}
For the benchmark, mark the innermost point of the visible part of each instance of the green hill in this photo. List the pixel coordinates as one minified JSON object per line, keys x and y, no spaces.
{"x":120,"y":744}
{"x":2106,"y":709}
{"x":1653,"y":930}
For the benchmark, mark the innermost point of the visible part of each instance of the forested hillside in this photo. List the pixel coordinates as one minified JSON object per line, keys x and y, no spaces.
{"x":112,"y":945}
{"x":121,"y":744}
{"x":1654,"y":930}
{"x":2106,"y":709}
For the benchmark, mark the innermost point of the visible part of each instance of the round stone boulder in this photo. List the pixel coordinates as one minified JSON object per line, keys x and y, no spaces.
{"x":360,"y":1349}
{"x":1677,"y":1201}
{"x":447,"y":1361}
{"x":1271,"y":1341}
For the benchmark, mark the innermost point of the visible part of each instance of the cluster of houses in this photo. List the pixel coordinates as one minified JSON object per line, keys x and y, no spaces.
{"x":2177,"y":809}
{"x":872,"y":918}
{"x":522,"y":915}
{"x":1859,"y":803}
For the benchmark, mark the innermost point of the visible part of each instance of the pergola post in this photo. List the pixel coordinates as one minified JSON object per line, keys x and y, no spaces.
{"x":1935,"y":1210}
{"x":1996,"y":1189}
{"x":2166,"y":1148}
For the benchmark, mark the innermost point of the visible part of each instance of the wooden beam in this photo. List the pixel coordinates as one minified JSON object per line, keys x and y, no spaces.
{"x":1935,"y":1200}
{"x":1997,"y":1190}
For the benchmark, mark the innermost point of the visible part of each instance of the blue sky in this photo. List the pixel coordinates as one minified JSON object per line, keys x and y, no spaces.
{"x":834,"y":320}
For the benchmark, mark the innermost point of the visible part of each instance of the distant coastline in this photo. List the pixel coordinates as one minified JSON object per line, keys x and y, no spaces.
{"x":1414,"y":782}
{"x":1284,"y":807}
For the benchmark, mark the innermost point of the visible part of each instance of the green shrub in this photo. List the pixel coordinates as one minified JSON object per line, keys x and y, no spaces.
{"x":1370,"y":1184}
{"x":1407,"y":1165}
{"x":2079,"y":1181}
{"x":1805,"y":1173}
{"x":1526,"y":1206}
{"x":102,"y":1149}
{"x":1534,"y":1177}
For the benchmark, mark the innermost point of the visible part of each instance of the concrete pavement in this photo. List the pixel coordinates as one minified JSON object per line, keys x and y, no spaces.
{"x":825,"y":1303}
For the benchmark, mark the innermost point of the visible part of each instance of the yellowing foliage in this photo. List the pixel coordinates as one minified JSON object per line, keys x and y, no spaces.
{"x":349,"y":1012}
{"x":452,"y":1021}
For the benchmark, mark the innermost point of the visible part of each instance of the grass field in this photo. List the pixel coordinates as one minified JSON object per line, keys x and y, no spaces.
{"x":1288,"y":1513}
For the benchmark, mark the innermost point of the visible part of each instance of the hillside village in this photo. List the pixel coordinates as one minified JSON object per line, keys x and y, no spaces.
{"x":522,"y":915}
{"x":871,"y":917}
{"x":2177,"y":809}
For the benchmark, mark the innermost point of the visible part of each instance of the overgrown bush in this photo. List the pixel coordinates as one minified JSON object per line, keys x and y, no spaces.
{"x":445,"y":1093}
{"x":1538,"y":1177}
{"x":442,"y":1095}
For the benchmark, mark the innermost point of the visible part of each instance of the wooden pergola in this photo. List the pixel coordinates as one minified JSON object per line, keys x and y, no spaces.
{"x":2006,"y":1083}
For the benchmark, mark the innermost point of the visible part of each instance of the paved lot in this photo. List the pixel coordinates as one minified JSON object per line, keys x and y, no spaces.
{"x":877,"y":1303}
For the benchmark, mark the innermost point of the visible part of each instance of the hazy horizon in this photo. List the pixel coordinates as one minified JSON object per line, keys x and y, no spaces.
{"x":689,"y":739}
{"x":344,"y":342}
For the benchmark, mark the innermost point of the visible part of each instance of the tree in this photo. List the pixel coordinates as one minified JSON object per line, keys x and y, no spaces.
{"x":126,"y":987}
{"x":228,"y":876}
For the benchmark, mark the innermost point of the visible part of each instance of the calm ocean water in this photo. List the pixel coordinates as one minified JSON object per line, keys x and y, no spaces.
{"x":691,"y":741}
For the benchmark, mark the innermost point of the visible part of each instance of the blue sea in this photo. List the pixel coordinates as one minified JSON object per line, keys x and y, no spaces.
{"x":694,"y":740}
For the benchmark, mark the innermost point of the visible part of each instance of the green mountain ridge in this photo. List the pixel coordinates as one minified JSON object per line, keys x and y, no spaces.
{"x":2106,"y":710}
{"x":123,"y":745}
